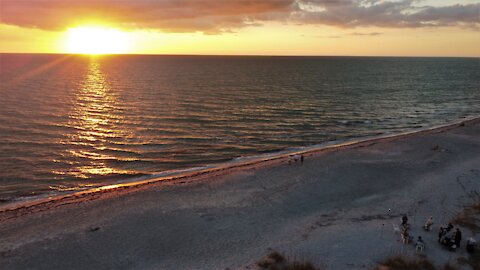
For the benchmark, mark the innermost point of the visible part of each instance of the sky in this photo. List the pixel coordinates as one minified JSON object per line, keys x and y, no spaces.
{"x":245,"y":27}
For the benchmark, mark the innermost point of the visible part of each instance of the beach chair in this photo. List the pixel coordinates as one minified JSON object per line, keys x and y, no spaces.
{"x":419,"y":247}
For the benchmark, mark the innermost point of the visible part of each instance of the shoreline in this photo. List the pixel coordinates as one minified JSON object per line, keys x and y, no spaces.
{"x":43,"y":203}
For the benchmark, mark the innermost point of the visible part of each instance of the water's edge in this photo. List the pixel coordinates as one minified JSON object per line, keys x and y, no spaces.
{"x":193,"y":174}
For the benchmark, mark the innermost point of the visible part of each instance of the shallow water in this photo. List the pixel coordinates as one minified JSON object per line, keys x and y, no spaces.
{"x":72,"y":122}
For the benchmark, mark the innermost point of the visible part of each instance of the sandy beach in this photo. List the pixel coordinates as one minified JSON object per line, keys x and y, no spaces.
{"x":338,"y":209}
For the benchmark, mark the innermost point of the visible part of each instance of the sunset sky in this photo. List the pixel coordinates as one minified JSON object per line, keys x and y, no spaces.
{"x":243,"y":27}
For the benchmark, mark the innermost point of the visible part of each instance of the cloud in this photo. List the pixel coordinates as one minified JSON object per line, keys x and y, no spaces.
{"x":366,"y":34}
{"x":331,"y":36}
{"x":166,"y":15}
{"x":394,"y":14}
{"x":213,"y":16}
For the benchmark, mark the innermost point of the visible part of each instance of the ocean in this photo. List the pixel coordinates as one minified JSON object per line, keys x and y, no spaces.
{"x":71,"y":123}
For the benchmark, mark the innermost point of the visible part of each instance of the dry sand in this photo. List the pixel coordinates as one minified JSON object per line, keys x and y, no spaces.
{"x":333,"y":209}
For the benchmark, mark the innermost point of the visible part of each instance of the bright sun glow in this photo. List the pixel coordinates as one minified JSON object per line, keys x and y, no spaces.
{"x":96,"y":40}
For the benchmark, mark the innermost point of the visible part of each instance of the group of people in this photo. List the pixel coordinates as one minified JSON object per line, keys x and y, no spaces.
{"x":447,"y":236}
{"x":406,"y":238}
{"x":295,"y":158}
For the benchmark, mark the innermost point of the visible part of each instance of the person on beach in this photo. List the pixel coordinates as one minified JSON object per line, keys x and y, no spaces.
{"x":447,"y":237}
{"x":420,"y":245}
{"x":428,"y":224}
{"x":471,"y":243}
{"x":457,"y":237}
{"x":405,"y":236}
{"x":295,"y":158}
{"x":448,"y":242}
{"x":444,"y":231}
{"x":404,"y":225}
{"x":441,"y":233}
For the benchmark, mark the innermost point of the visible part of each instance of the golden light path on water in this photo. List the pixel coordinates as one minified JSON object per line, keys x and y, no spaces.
{"x":94,"y":117}
{"x":68,"y":121}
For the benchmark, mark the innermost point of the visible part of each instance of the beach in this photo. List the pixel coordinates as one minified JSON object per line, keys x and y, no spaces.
{"x":337,"y":208}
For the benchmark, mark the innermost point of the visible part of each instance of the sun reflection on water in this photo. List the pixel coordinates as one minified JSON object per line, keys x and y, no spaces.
{"x":94,"y":119}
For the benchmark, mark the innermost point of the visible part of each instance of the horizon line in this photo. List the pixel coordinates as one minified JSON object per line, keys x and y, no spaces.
{"x":242,"y":55}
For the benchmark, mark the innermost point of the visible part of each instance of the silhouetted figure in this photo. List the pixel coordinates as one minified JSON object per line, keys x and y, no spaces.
{"x":457,"y":237}
{"x":404,"y":220}
{"x":301,"y":158}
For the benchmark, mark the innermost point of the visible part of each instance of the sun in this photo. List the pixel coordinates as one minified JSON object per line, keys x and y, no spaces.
{"x":96,"y":40}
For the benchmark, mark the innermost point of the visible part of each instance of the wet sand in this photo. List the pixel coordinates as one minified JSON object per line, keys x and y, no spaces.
{"x":332,"y":209}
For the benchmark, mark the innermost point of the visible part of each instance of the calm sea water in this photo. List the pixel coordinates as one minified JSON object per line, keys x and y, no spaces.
{"x":72,"y":122}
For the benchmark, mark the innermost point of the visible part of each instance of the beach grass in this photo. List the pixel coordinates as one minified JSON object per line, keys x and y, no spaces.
{"x":473,"y":260}
{"x":403,"y":263}
{"x":399,"y":262}
{"x":277,"y":261}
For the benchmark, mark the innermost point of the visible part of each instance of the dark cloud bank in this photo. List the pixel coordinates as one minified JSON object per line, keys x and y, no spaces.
{"x":211,"y":16}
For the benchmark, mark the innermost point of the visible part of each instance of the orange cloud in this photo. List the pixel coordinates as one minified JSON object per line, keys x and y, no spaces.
{"x":225,"y":15}
{"x":167,"y":15}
